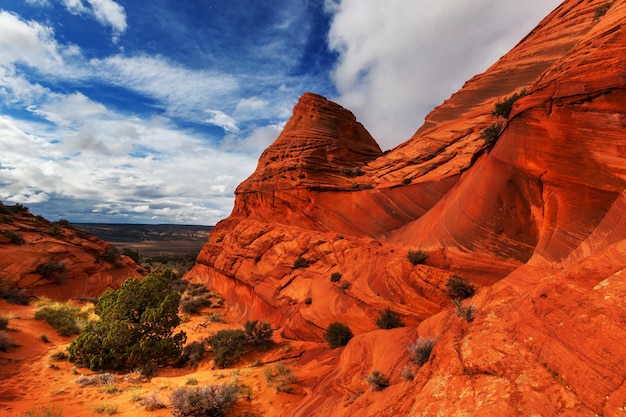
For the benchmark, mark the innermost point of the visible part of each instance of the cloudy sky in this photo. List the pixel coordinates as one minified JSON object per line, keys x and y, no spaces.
{"x":153,"y":111}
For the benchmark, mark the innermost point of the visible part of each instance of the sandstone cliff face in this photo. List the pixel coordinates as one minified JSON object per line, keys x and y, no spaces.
{"x":56,"y":260}
{"x":538,"y":223}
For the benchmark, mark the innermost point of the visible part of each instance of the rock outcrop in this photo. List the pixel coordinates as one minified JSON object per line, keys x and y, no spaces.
{"x":56,"y":260}
{"x":534,"y":216}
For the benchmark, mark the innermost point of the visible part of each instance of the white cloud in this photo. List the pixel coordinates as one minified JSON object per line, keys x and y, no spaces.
{"x":221,"y":119}
{"x":400,"y":58}
{"x":251,"y":104}
{"x":106,"y":12}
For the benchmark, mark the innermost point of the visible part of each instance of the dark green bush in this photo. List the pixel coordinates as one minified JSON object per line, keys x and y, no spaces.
{"x":212,"y":400}
{"x":300,"y":263}
{"x":228,"y":346}
{"x":50,"y":268}
{"x":458,"y":288}
{"x":338,"y":334}
{"x":192,"y":354}
{"x":335,"y":276}
{"x":490,"y":134}
{"x":54,"y":229}
{"x":136,"y":327}
{"x":377,"y":381}
{"x":417,"y":257}
{"x":420,"y":350}
{"x":15,"y":237}
{"x":503,"y":108}
{"x":4,"y":322}
{"x":258,"y":333}
{"x":388,"y":319}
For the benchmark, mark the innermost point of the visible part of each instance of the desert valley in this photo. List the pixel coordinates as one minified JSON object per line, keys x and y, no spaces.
{"x":477,"y":266}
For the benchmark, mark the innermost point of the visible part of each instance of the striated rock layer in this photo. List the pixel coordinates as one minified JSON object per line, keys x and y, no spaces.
{"x":537,"y":223}
{"x":56,"y":260}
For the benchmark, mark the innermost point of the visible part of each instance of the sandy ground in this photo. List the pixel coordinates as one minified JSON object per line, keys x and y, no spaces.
{"x":31,"y":380}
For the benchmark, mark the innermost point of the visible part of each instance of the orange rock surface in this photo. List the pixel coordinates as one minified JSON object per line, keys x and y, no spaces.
{"x":538,"y":224}
{"x":80,"y":264}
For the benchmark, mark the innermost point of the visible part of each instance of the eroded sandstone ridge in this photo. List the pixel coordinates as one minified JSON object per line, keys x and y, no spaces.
{"x":538,"y":223}
{"x":56,"y":260}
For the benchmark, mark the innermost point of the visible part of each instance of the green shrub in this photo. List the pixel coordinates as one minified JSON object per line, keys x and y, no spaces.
{"x":50,"y":268}
{"x":338,"y":334}
{"x":15,"y":237}
{"x":335,"y":276}
{"x":503,"y":108}
{"x":17,"y":208}
{"x":420,"y":350}
{"x":62,"y":316}
{"x":377,"y":381}
{"x":458,"y":288}
{"x":6,"y":341}
{"x":4,"y":321}
{"x":212,"y":400}
{"x":465,"y":312}
{"x":281,"y":377}
{"x":191,"y":355}
{"x":417,"y":257}
{"x":300,"y":263}
{"x":54,"y":229}
{"x":132,"y":254}
{"x":388,"y":319}
{"x":490,"y":134}
{"x":228,"y":346}
{"x":136,"y":327}
{"x":258,"y":333}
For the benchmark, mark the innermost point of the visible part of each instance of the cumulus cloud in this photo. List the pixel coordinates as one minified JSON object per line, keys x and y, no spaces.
{"x":400,"y":58}
{"x":106,"y":12}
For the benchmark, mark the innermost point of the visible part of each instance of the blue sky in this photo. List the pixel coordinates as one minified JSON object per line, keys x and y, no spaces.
{"x":154,"y":111}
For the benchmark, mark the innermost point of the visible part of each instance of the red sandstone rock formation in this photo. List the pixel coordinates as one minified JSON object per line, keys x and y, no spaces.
{"x":538,"y":223}
{"x":56,"y":260}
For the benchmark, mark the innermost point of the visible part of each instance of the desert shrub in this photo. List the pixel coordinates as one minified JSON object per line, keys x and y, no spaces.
{"x":601,"y":10}
{"x":407,"y":373}
{"x":215,"y":317}
{"x":281,"y":377}
{"x":258,"y":333}
{"x":15,"y":237}
{"x":104,"y":379}
{"x":465,"y":312}
{"x":344,"y":286}
{"x":6,"y":341}
{"x":191,"y":355}
{"x":352,"y":172}
{"x":490,"y":134}
{"x":300,"y":263}
{"x":420,"y":350}
{"x":17,"y":209}
{"x":63,"y":222}
{"x":54,"y":229}
{"x":338,"y":334}
{"x":49,"y":411}
{"x":50,"y":268}
{"x":44,"y":338}
{"x":64,"y":317}
{"x":335,"y":276}
{"x":152,"y":402}
{"x":308,"y":301}
{"x":112,"y":255}
{"x":417,"y":257}
{"x":136,"y":327}
{"x":503,"y":108}
{"x":4,"y":321}
{"x":211,"y":400}
{"x":132,"y":254}
{"x":58,"y":356}
{"x":15,"y":295}
{"x":228,"y":346}
{"x":388,"y":319}
{"x":458,"y":288}
{"x":377,"y":381}
{"x":193,"y":305}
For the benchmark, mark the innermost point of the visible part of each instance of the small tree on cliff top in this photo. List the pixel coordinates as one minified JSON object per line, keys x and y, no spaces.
{"x":136,"y":327}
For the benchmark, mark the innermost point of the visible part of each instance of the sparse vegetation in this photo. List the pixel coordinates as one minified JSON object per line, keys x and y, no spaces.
{"x":465,"y":312}
{"x":192,"y":354}
{"x":406,"y":181}
{"x":308,"y":301}
{"x":338,"y":334}
{"x":49,"y":411}
{"x":4,"y":321}
{"x":352,"y":172}
{"x":258,"y":333}
{"x":212,"y":400}
{"x":335,"y":276}
{"x":280,"y":377}
{"x":104,"y":379}
{"x":344,"y":286}
{"x":417,"y":257}
{"x":503,"y":108}
{"x":300,"y":262}
{"x":601,"y":10}
{"x":152,"y":402}
{"x":227,"y":346}
{"x":50,"y":269}
{"x":388,"y":319}
{"x":377,"y":381}
{"x":420,"y":350}
{"x":15,"y":237}
{"x":66,"y":318}
{"x":6,"y":341}
{"x":490,"y":134}
{"x":407,"y":373}
{"x":136,"y":327}
{"x":459,"y":288}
